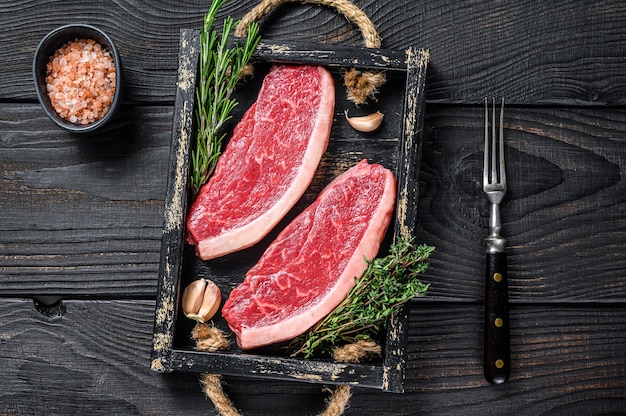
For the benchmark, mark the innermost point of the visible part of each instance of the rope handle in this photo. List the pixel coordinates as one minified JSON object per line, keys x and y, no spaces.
{"x":345,"y":7}
{"x":210,"y":338}
{"x":361,"y":85}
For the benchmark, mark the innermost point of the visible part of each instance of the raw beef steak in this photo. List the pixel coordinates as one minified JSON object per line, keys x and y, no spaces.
{"x":310,"y":267}
{"x":268,"y":163}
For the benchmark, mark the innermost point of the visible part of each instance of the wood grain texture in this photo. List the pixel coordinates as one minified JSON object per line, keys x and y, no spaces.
{"x":532,"y":52}
{"x":563,"y":214}
{"x":94,"y":360}
{"x":82,"y":216}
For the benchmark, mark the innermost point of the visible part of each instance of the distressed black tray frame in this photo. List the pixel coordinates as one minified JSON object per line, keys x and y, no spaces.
{"x":386,"y":374}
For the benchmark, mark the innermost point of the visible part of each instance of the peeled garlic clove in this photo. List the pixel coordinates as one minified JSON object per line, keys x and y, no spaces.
{"x":366,"y":123}
{"x":201,"y":300}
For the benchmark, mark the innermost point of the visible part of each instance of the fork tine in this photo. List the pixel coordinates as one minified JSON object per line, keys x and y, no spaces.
{"x":494,"y":138}
{"x":486,"y":147}
{"x":502,"y":180}
{"x":493,"y":162}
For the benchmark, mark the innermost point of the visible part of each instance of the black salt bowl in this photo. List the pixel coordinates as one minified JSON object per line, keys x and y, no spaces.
{"x":47,"y":47}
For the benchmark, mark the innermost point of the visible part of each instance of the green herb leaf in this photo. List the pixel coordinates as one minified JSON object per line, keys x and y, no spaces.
{"x":383,"y":288}
{"x":220,"y":69}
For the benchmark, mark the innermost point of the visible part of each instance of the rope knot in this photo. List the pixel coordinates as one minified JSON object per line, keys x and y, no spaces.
{"x":361,"y":85}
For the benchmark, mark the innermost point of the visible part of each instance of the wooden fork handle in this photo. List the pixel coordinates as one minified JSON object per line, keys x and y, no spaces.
{"x":497,"y":347}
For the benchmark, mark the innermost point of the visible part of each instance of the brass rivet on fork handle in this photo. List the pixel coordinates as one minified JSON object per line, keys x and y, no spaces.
{"x":496,"y":359}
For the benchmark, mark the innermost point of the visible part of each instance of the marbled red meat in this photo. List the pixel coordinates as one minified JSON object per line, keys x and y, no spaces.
{"x":311,"y":266}
{"x":268,"y":163}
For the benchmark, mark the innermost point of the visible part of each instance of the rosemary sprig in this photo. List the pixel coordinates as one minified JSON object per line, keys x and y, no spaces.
{"x":220,"y":69}
{"x":386,"y":284}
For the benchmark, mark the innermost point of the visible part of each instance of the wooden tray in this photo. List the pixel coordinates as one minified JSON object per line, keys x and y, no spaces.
{"x":396,"y":145}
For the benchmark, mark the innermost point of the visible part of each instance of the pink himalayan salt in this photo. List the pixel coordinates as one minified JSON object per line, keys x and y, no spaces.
{"x":81,"y":81}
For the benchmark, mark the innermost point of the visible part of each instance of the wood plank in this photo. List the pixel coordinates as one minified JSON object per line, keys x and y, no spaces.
{"x":537,"y":52}
{"x":95,"y":359}
{"x":83,"y":217}
{"x":82,"y":214}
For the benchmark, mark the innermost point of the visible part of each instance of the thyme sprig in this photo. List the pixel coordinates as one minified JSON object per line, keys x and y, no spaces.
{"x":220,"y":69}
{"x":383,"y":288}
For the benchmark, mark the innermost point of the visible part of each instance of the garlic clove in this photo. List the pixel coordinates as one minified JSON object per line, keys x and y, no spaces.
{"x":211,"y":301}
{"x":192,"y":296}
{"x":201,"y":300}
{"x":365,"y":124}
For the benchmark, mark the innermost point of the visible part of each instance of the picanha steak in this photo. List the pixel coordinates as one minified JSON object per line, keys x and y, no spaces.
{"x":313,"y":263}
{"x":268,"y":163}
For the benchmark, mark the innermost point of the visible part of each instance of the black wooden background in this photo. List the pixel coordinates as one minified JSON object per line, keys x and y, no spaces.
{"x":81,"y":217}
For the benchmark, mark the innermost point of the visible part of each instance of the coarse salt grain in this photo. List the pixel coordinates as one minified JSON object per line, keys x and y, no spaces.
{"x":81,"y":81}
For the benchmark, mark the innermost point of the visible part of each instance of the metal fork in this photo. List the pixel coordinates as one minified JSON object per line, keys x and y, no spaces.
{"x":496,"y":358}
